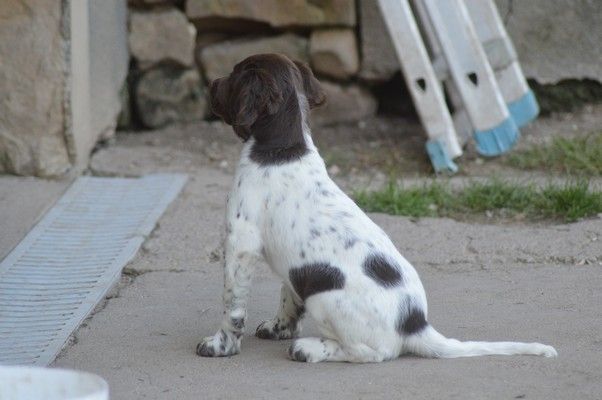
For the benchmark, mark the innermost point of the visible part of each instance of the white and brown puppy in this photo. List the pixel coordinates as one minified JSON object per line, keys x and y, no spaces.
{"x":335,"y":263}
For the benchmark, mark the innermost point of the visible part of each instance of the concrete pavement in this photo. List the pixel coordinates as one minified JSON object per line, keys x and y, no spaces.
{"x":489,"y":282}
{"x":484,"y":282}
{"x":23,"y":200}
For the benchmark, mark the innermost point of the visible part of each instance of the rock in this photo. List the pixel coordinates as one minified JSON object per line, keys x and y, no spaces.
{"x":333,"y":53}
{"x":163,"y":34}
{"x":379,"y":62}
{"x":334,"y":170}
{"x":218,"y":60}
{"x":33,"y":95}
{"x":169,"y":94}
{"x":150,"y":3}
{"x":556,"y":39}
{"x":276,"y":13}
{"x":204,"y":39}
{"x":344,"y":104}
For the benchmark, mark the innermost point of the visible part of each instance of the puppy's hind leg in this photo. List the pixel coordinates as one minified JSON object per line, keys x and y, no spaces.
{"x":285,"y":325}
{"x":237,"y":283}
{"x":314,"y":350}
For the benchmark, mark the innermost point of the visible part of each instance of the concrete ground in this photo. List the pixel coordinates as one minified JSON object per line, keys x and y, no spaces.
{"x":484,"y":282}
{"x":23,"y":200}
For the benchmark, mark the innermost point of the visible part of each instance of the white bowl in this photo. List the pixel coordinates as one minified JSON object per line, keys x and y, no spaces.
{"x":37,"y":383}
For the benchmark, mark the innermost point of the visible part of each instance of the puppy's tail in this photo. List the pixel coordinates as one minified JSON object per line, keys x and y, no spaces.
{"x":430,"y":343}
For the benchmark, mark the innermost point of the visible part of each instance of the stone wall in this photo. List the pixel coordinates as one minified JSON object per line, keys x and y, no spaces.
{"x":556,"y":40}
{"x":62,"y":65}
{"x":180,"y":45}
{"x":32,"y":88}
{"x":60,"y":89}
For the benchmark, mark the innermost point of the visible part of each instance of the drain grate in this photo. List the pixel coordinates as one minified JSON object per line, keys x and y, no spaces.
{"x":65,"y":265}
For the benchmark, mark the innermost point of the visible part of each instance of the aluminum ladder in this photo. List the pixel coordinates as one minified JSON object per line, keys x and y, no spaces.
{"x":470,"y":52}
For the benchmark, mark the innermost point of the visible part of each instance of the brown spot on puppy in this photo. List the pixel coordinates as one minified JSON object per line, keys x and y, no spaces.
{"x":315,"y":278}
{"x":382,"y":271}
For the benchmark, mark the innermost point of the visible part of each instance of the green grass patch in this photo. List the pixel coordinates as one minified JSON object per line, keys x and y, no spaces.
{"x":567,"y":203}
{"x":575,"y":156}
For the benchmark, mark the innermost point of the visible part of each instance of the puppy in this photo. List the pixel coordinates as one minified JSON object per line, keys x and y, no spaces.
{"x":335,"y":263}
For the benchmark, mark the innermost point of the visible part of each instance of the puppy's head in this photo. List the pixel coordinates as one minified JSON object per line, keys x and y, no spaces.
{"x":260,"y":88}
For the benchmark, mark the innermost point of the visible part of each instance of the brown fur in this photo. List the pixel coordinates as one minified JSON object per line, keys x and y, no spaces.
{"x":259,"y":99}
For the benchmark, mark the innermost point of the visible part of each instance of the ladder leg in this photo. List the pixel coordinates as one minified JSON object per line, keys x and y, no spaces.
{"x":464,"y":129}
{"x":495,"y":130}
{"x":502,"y":56}
{"x":423,"y":84}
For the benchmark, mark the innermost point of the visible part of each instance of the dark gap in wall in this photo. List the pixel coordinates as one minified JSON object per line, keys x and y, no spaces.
{"x":133,"y":123}
{"x":394,"y":98}
{"x":566,"y":95}
{"x":141,"y":5}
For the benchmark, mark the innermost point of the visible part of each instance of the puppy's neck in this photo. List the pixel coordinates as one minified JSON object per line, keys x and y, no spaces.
{"x":283,"y":137}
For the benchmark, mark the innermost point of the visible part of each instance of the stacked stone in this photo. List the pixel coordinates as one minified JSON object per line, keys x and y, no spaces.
{"x":180,"y":46}
{"x":168,"y":87}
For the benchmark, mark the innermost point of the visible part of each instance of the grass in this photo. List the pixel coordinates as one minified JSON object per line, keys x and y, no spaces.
{"x":574,"y":156}
{"x":567,"y":203}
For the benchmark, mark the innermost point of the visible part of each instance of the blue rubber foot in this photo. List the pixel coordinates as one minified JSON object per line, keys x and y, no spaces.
{"x":439,"y":157}
{"x":497,"y":140}
{"x":524,"y":110}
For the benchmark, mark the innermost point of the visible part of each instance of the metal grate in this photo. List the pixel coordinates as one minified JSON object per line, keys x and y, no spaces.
{"x":65,"y":265}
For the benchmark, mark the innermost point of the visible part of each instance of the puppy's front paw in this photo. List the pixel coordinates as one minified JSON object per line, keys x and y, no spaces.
{"x":222,"y":344}
{"x":275,"y":329}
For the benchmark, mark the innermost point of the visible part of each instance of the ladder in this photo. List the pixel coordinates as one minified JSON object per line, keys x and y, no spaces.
{"x":470,"y":52}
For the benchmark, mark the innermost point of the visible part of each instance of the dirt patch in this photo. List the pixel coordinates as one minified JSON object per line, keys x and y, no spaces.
{"x":360,"y":155}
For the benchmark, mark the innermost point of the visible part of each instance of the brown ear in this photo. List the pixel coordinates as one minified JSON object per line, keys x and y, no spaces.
{"x":258,"y":94}
{"x":313,"y":90}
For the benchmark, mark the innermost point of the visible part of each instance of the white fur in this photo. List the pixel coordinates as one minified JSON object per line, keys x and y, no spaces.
{"x":271,"y":212}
